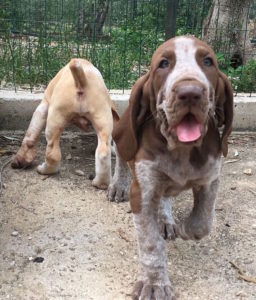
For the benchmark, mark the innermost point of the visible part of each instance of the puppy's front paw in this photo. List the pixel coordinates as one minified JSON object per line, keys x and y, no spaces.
{"x":143,"y":290}
{"x":118,"y":192}
{"x":191,"y":229}
{"x":101,"y":184}
{"x":167,"y":230}
{"x":45,"y":169}
{"x":166,"y":223}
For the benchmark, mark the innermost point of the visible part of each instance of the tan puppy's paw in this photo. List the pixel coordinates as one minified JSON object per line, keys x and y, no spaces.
{"x":101,"y":183}
{"x":45,"y":169}
{"x":20,"y":162}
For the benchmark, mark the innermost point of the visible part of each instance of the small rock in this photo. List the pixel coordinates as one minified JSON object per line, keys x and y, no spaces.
{"x":30,"y":258}
{"x":247,"y":171}
{"x":30,"y":238}
{"x":68,"y":157}
{"x":248,"y":261}
{"x":241,"y":294}
{"x":236,"y":153}
{"x":233,"y":188}
{"x":38,"y":259}
{"x":12,"y":264}
{"x":79,"y":172}
{"x":15,"y":233}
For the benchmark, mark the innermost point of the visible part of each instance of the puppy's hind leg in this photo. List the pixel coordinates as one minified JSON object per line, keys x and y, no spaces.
{"x":102,"y":161}
{"x":27,"y":152}
{"x":55,"y":125}
{"x":118,"y":189}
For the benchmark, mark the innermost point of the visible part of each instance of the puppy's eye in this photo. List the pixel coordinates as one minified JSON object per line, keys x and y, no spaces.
{"x":208,"y":62}
{"x":164,"y":64}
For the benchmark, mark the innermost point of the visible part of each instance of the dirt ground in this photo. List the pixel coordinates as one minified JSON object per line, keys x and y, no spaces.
{"x":88,"y":245}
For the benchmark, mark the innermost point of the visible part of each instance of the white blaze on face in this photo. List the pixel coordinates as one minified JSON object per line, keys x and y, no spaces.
{"x":186,"y":64}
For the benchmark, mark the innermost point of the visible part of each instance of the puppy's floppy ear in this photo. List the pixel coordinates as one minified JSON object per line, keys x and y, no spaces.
{"x":126,"y":131}
{"x":115,"y":115}
{"x":224,"y":109}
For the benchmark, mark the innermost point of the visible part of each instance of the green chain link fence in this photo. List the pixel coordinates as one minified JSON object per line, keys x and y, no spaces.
{"x":38,"y":37}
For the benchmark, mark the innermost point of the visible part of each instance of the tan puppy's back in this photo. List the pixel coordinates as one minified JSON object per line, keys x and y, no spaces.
{"x":78,"y":88}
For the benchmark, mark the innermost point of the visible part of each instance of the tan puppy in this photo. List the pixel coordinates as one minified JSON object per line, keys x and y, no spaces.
{"x":78,"y":95}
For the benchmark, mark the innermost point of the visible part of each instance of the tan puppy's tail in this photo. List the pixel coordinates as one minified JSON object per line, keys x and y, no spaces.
{"x":78,"y":73}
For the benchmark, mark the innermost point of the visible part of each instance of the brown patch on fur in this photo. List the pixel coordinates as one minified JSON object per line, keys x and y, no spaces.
{"x":211,"y":145}
{"x":135,"y":196}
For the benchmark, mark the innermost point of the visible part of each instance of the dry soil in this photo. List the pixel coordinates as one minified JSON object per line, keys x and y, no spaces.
{"x":88,"y":245}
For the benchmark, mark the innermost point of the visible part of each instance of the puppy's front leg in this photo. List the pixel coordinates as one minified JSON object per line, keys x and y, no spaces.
{"x":153,"y":281}
{"x":199,"y":222}
{"x":166,"y":222}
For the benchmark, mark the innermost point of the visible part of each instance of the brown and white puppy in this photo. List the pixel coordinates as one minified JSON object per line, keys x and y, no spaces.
{"x":78,"y":95}
{"x":169,"y":134}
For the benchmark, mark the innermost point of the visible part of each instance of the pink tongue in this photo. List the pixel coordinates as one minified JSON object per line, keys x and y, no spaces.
{"x":189,"y":129}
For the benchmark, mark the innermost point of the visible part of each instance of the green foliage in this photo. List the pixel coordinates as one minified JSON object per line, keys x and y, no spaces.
{"x":38,"y":37}
{"x":243,"y":77}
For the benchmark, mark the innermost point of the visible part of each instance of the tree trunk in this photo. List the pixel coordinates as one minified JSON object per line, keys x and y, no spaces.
{"x":100,"y":20}
{"x":171,"y":16}
{"x":225,"y":29}
{"x":90,"y":22}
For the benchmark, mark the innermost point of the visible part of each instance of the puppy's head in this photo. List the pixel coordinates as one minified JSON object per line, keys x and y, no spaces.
{"x":189,"y":90}
{"x":184,"y":91}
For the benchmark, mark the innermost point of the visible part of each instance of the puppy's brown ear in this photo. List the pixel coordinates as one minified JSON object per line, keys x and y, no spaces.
{"x":224,"y":109}
{"x":126,"y":131}
{"x":115,"y":115}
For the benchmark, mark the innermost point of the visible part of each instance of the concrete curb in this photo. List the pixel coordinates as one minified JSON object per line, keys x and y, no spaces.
{"x":16,"y":109}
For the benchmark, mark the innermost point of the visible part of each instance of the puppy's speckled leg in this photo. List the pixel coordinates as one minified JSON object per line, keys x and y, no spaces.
{"x":199,"y":222}
{"x":166,"y":222}
{"x":153,"y":281}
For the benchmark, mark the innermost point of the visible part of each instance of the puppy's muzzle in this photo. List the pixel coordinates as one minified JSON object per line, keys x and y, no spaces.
{"x":189,"y":92}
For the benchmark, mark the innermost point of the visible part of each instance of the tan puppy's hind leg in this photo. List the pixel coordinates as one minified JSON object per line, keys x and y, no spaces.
{"x":27,"y":152}
{"x":55,"y":125}
{"x":102,"y":161}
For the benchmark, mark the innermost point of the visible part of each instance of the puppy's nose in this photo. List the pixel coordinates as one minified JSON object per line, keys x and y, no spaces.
{"x":189,"y":93}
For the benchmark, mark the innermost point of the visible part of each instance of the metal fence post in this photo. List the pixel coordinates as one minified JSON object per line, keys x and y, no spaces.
{"x":170,"y":22}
